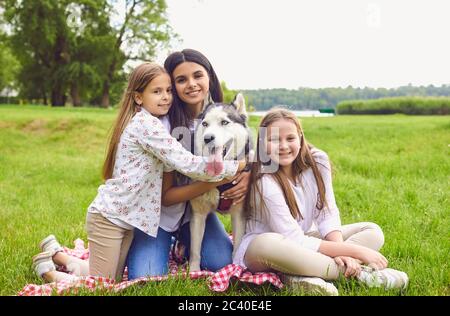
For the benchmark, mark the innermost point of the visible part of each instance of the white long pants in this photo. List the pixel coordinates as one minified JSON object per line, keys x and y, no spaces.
{"x":272,"y":251}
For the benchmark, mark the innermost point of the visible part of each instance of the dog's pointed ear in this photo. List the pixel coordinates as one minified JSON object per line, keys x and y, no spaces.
{"x":239,"y":103}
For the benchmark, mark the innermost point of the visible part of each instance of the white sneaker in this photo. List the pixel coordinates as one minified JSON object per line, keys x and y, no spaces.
{"x":310,"y":285}
{"x":50,"y":243}
{"x":387,"y":278}
{"x":43,"y":263}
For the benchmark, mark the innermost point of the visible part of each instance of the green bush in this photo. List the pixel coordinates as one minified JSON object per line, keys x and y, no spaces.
{"x":404,"y":105}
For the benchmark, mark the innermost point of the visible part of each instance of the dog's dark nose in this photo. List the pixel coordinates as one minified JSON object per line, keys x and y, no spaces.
{"x":208,"y":138}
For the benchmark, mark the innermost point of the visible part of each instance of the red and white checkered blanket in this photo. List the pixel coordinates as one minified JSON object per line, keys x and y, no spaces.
{"x":217,"y":282}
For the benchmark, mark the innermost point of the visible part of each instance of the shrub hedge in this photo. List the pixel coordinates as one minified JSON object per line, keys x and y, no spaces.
{"x":405,"y":105}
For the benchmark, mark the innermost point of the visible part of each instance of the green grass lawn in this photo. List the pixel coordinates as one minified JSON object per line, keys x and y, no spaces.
{"x":391,"y":170}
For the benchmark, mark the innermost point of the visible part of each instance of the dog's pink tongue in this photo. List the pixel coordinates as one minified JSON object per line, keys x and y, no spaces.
{"x":215,"y":163}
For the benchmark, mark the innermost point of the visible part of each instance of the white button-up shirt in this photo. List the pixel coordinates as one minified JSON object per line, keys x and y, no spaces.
{"x":278,"y":219}
{"x":133,"y":194}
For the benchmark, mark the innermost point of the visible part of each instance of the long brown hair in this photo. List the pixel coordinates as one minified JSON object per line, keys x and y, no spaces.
{"x":179,"y":114}
{"x":302,"y":162}
{"x":139,"y":78}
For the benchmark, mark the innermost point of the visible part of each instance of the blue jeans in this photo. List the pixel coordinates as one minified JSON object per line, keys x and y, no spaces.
{"x":149,"y":256}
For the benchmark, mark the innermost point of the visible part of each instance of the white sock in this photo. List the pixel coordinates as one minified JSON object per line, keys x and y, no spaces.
{"x":57,"y":276}
{"x":77,"y":266}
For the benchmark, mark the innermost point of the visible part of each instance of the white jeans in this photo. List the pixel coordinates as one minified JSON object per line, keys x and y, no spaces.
{"x":272,"y":251}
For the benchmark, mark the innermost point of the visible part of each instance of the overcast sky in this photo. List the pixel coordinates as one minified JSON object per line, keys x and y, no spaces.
{"x":318,"y":43}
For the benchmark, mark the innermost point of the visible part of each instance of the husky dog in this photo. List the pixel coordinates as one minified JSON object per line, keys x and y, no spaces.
{"x":221,"y":134}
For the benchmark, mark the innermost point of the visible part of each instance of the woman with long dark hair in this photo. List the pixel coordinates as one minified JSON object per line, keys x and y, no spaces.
{"x":194,"y":85}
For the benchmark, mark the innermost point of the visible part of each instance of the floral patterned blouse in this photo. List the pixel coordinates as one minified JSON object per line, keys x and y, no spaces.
{"x":133,"y":195}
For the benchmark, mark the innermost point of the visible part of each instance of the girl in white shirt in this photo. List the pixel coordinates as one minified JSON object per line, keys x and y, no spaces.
{"x":139,"y":150}
{"x":293,"y":224}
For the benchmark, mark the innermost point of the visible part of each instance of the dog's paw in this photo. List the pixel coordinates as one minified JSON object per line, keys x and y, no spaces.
{"x":194,"y":268}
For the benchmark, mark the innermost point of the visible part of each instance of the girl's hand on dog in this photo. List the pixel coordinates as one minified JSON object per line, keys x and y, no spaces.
{"x":224,"y":181}
{"x":238,"y":192}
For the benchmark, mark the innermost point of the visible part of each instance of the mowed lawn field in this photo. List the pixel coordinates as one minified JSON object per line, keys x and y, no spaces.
{"x":391,"y":170}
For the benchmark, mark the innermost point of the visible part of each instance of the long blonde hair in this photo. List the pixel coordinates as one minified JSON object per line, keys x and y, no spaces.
{"x":139,"y":78}
{"x":303,"y":161}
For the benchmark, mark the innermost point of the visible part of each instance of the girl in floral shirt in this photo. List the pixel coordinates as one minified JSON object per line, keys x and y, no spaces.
{"x":139,"y":151}
{"x":195,"y":84}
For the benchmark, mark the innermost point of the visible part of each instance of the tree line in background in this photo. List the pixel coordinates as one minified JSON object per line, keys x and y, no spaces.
{"x":54,"y":51}
{"x":326,"y":98}
{"x":62,"y":52}
{"x":403,"y":105}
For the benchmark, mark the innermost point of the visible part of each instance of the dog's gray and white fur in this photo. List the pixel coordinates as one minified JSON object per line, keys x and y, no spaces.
{"x":222,"y":126}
